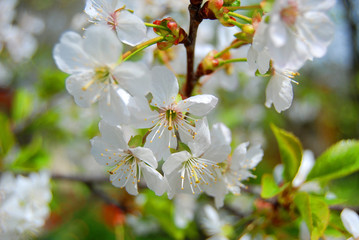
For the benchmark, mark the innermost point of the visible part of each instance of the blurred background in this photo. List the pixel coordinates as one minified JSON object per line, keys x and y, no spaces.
{"x":42,"y":128}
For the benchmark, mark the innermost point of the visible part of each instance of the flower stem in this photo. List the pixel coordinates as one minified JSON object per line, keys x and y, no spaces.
{"x":140,"y":47}
{"x":237,"y":15}
{"x":221,"y":63}
{"x":233,"y":45}
{"x":240,"y":25}
{"x":155,"y":26}
{"x":244,"y":7}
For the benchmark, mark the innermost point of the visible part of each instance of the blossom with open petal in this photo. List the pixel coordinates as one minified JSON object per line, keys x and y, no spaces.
{"x":96,"y":73}
{"x":130,"y":29}
{"x":279,"y":90}
{"x":169,"y":115}
{"x":212,"y":224}
{"x":295,"y":31}
{"x":238,"y":167}
{"x":128,"y":164}
{"x":199,"y":170}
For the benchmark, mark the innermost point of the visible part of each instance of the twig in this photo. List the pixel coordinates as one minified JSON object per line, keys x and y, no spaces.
{"x":190,"y":42}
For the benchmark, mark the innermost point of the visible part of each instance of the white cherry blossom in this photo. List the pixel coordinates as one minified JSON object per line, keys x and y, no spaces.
{"x":279,"y":90}
{"x":169,"y":115}
{"x":212,"y":223}
{"x":128,"y":164}
{"x":199,"y":170}
{"x":306,"y":166}
{"x":130,"y":29}
{"x":294,"y":31}
{"x":97,"y":73}
{"x":23,"y":204}
{"x":238,"y":169}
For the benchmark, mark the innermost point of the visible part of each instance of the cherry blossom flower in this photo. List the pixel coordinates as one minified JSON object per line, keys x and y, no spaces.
{"x":238,"y":167}
{"x":212,"y":224}
{"x":128,"y":164}
{"x":130,"y":29}
{"x":294,"y":31}
{"x":169,"y":115}
{"x":96,"y":74}
{"x":350,"y":221}
{"x":279,"y":90}
{"x":199,"y":170}
{"x":23,"y":204}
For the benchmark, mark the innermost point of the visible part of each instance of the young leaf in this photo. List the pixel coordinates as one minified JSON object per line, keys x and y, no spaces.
{"x":270,"y":187}
{"x":315,"y":213}
{"x":290,"y":150}
{"x":338,"y":161}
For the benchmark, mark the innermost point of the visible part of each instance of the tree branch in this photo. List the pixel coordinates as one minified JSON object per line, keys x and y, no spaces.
{"x":190,"y":42}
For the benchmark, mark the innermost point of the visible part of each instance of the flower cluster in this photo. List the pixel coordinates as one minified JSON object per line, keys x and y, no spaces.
{"x":149,"y":122}
{"x":23,"y":204}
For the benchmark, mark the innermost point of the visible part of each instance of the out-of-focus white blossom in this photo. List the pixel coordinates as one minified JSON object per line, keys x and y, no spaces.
{"x":212,"y":224}
{"x":23,"y":204}
{"x":294,"y":31}
{"x":350,"y":221}
{"x":130,"y":29}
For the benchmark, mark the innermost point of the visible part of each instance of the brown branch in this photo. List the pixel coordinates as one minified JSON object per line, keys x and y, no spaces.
{"x":190,"y":42}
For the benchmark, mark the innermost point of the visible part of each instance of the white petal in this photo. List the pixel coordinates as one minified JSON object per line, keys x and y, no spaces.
{"x":263,"y":62}
{"x":174,"y":161}
{"x":104,"y":153}
{"x":239,"y":156}
{"x":154,"y":180}
{"x":316,"y":5}
{"x":84,"y":91}
{"x":317,"y":31}
{"x":306,"y":166}
{"x":278,"y":33}
{"x":102,"y":44}
{"x":161,"y":142}
{"x":198,"y":105}
{"x":69,"y":55}
{"x":252,"y":59}
{"x":221,"y":131}
{"x":141,"y":113}
{"x":350,"y":221}
{"x":112,"y":135}
{"x":113,"y":106}
{"x":130,"y":29}
{"x":134,"y":77}
{"x":146,"y":155}
{"x":164,"y":86}
{"x":218,"y":191}
{"x":279,"y":92}
{"x":202,"y":140}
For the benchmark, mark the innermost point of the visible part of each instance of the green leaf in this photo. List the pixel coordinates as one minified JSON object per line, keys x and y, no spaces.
{"x":270,"y":187}
{"x":7,"y":139}
{"x":315,"y":213}
{"x":23,"y":105}
{"x":302,"y":202}
{"x":32,"y":157}
{"x":338,"y":161}
{"x":290,"y":150}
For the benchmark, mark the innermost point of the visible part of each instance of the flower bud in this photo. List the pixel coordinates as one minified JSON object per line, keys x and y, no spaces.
{"x":173,"y":33}
{"x":208,"y":65}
